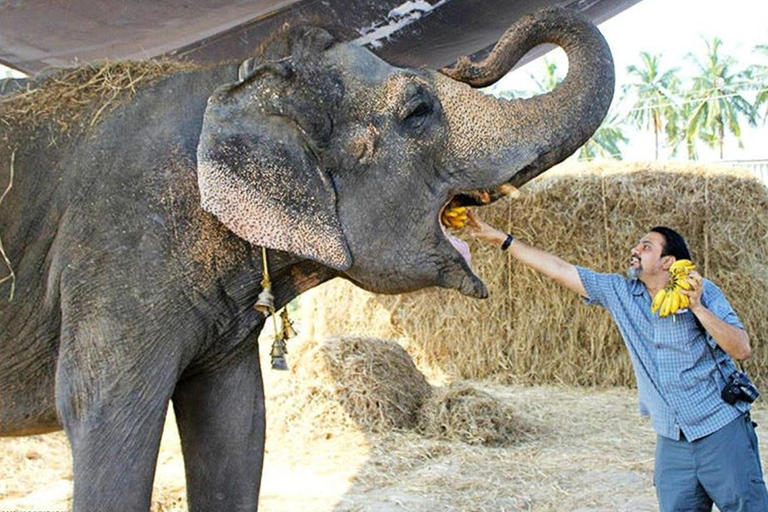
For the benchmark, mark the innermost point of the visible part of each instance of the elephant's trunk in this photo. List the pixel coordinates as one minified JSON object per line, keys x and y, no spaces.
{"x":491,"y":137}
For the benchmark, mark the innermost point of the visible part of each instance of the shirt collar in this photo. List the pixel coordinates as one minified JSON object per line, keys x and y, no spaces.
{"x":638,"y":288}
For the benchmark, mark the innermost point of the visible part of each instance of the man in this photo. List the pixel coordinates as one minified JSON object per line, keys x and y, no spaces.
{"x":706,"y":449}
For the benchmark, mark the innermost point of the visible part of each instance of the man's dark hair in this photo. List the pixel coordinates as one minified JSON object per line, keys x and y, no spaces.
{"x":674,"y":243}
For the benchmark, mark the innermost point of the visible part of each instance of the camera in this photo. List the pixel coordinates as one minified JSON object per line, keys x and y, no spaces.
{"x":739,"y":387}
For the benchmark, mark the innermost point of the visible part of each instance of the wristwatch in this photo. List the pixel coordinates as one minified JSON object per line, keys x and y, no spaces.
{"x":507,"y":242}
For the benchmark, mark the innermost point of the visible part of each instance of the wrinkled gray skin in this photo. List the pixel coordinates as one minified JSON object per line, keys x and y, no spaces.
{"x":136,"y":243}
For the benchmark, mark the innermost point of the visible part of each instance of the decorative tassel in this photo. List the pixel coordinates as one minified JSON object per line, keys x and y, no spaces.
{"x":266,"y":305}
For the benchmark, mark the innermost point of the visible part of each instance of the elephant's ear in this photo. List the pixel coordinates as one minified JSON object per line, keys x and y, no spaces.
{"x":258,"y":174}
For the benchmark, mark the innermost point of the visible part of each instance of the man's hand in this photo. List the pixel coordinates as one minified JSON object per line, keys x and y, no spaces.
{"x":694,"y":294}
{"x":479,"y":230}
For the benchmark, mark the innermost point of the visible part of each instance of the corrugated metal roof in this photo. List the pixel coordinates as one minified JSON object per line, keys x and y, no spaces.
{"x":39,"y":34}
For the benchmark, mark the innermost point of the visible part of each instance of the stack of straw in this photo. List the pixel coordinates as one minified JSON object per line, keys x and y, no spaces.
{"x":78,"y":97}
{"x":369,"y":385}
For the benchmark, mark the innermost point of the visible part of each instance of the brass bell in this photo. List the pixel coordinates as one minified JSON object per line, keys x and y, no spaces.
{"x":278,"y":354}
{"x":288,"y":330}
{"x":266,"y":301}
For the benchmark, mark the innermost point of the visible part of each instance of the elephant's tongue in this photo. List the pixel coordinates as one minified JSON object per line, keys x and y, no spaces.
{"x":459,"y":245}
{"x":462,"y":247}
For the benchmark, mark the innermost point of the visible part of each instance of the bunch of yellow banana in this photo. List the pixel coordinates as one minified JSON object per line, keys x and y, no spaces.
{"x":669,"y":299}
{"x":454,"y":216}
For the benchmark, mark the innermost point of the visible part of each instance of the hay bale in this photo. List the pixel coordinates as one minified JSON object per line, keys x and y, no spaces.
{"x":531,"y":330}
{"x":370,"y":383}
{"x":79,"y":96}
{"x":460,"y":412}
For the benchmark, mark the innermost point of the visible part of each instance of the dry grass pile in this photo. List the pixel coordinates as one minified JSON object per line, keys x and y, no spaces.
{"x":532,"y":330}
{"x":364,"y":383}
{"x":461,"y":412}
{"x":371,"y":385}
{"x":79,"y":96}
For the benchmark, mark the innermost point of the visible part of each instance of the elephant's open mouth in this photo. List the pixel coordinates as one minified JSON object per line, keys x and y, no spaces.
{"x":456,"y":270}
{"x":473,"y":198}
{"x":481,"y":197}
{"x":460,"y":245}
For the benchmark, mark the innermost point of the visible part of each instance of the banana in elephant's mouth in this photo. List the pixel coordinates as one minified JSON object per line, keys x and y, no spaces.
{"x":455,"y":217}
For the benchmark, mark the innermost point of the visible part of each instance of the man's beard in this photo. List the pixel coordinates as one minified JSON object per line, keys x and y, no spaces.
{"x":634,"y":273}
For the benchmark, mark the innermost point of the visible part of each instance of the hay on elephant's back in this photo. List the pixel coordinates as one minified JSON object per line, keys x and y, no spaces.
{"x":365,"y":383}
{"x":533,"y":330}
{"x":460,"y":412}
{"x":81,"y":95}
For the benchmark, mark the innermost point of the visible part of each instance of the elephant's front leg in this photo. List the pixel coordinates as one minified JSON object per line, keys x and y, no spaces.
{"x":113,"y":406}
{"x":220,"y":414}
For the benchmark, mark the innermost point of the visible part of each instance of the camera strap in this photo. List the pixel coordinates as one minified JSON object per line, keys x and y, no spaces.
{"x":714,"y":358}
{"x":738,"y":363}
{"x":752,"y":392}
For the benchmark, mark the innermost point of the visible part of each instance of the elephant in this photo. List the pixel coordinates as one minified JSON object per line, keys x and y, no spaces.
{"x":136,"y":241}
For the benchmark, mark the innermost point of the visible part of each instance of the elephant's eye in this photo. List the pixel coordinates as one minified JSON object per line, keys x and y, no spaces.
{"x":416,"y":112}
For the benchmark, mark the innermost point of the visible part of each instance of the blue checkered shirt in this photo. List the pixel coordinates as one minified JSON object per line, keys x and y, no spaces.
{"x":678,"y":383}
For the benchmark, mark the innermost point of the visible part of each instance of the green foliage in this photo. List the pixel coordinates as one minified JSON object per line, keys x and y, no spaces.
{"x":716,"y":99}
{"x":654,"y":90}
{"x":542,"y":82}
{"x":606,"y":141}
{"x":550,"y":79}
{"x":759,"y":72}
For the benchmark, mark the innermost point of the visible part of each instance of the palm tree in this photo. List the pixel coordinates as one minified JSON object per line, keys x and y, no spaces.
{"x":761,"y":78}
{"x":680,"y":128}
{"x":654,"y":91}
{"x":717,"y":104}
{"x":606,"y":140}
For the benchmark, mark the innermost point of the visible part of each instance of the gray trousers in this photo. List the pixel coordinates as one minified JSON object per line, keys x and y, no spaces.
{"x":722,"y":468}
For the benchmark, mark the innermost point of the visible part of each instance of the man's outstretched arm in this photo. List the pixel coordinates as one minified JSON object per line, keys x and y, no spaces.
{"x":543,"y":262}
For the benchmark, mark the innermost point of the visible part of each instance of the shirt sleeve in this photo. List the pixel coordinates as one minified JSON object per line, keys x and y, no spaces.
{"x":601,"y":288}
{"x":714,"y":300}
